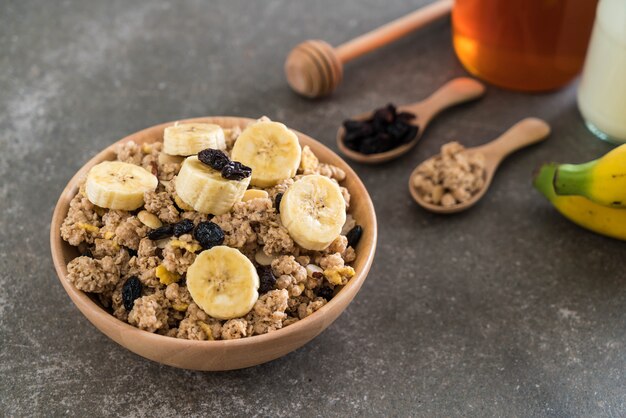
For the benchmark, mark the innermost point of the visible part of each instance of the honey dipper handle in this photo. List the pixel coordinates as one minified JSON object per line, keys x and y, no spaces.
{"x":393,"y":30}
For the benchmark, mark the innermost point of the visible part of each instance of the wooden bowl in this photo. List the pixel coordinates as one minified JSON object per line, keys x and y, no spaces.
{"x":228,"y":354}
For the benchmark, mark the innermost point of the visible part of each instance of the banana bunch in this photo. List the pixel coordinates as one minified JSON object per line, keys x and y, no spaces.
{"x":591,"y":195}
{"x":602,"y":181}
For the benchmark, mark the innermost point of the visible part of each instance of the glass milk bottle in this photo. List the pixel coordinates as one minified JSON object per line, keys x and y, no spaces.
{"x":602,"y":91}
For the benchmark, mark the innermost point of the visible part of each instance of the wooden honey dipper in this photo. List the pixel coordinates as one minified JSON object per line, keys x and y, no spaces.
{"x":314,"y":68}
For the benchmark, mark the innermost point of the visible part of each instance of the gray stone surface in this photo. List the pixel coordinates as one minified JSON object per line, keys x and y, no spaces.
{"x":506,"y":310}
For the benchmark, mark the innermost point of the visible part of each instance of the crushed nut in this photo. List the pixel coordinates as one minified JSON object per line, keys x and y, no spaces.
{"x":149,"y":220}
{"x":452,"y":177}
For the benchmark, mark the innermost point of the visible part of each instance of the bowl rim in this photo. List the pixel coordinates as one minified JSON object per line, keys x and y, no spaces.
{"x":83,"y":301}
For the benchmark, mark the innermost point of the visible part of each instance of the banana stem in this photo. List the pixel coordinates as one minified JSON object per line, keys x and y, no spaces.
{"x":543,"y":180}
{"x":573,"y":179}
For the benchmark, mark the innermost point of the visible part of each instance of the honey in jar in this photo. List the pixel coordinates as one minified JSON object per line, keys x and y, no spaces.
{"x":529,"y":45}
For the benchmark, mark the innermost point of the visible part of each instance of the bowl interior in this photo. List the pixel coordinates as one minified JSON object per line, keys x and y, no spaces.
{"x":361,"y":208}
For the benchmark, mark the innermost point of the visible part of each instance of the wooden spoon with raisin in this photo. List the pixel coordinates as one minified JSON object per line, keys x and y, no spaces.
{"x":431,"y":195}
{"x":387,"y":133}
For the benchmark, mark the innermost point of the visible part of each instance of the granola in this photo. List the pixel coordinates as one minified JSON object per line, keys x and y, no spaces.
{"x":115,"y":246}
{"x":451,"y":178}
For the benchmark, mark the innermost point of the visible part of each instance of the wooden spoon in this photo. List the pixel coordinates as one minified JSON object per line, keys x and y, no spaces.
{"x":454,"y":92}
{"x":524,"y":133}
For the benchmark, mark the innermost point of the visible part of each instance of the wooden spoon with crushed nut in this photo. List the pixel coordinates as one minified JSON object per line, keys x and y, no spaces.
{"x":524,"y":133}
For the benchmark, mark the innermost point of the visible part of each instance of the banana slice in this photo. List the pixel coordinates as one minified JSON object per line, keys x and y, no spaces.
{"x":118,"y":185}
{"x":251,"y":194}
{"x":313,"y":211}
{"x":223,"y":282}
{"x":204,"y":188}
{"x":272,"y":151}
{"x":191,"y":138}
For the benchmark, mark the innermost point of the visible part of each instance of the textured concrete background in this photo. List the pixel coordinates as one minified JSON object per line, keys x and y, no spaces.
{"x":506,"y":310}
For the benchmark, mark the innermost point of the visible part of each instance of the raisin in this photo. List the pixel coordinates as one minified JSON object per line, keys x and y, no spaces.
{"x":165,"y":231}
{"x":214,"y":158}
{"x":397,"y":129}
{"x":84,"y":250}
{"x":326,"y":293}
{"x":385,"y":130}
{"x":371,"y":145}
{"x":234,"y":170}
{"x":351,"y":138}
{"x":277,"y":200}
{"x":208,"y":234}
{"x":355,"y":145}
{"x":183,"y":227}
{"x":386,"y":141}
{"x":266,"y":278}
{"x":412,"y":133}
{"x":131,"y":252}
{"x":354,"y":235}
{"x":131,"y":291}
{"x":385,"y":115}
{"x":355,"y":131}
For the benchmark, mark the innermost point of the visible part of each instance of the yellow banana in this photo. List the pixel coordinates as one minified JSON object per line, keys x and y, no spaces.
{"x":583,"y":212}
{"x":602,"y":181}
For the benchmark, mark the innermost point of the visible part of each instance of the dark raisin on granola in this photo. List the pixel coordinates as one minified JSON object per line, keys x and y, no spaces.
{"x":234,"y":170}
{"x":277,"y":200}
{"x":208,"y":234}
{"x":354,"y":235}
{"x":84,"y":250}
{"x":165,"y":231}
{"x":131,"y":290}
{"x":183,"y":227}
{"x":326,"y":293}
{"x":266,"y":278}
{"x":384,"y":131}
{"x":131,"y":252}
{"x":214,"y":158}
